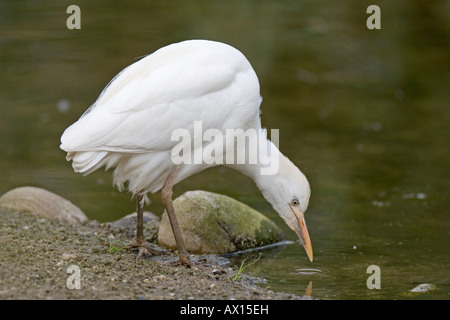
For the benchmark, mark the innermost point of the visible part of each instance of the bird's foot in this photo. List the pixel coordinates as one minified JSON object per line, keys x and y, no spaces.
{"x":143,"y":249}
{"x":186,"y":261}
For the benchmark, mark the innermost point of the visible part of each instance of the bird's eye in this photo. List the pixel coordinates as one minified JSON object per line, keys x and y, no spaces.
{"x":295,"y":202}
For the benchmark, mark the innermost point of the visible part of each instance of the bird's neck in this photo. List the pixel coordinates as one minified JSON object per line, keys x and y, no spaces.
{"x":266,"y":166}
{"x":272,"y":173}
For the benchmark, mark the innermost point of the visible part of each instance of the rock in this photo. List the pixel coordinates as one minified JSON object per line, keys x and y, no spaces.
{"x":214,"y":223}
{"x":42,"y":203}
{"x":127,"y":225}
{"x":423,"y":288}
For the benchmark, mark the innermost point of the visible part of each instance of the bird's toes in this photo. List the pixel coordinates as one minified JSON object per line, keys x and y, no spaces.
{"x":189,"y":263}
{"x":143,"y":249}
{"x":142,"y":252}
{"x":157,"y":252}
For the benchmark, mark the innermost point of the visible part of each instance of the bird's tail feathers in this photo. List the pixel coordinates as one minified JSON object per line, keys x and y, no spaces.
{"x":86,"y":162}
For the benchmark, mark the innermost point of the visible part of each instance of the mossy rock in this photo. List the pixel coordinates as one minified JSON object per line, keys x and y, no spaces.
{"x":215,"y":223}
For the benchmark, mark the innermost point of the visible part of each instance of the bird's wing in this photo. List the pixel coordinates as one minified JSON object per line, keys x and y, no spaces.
{"x":167,"y":90}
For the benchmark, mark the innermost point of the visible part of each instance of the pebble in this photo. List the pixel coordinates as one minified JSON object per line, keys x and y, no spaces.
{"x":419,"y":195}
{"x":218,"y":271}
{"x":68,"y":256}
{"x":159,"y":278}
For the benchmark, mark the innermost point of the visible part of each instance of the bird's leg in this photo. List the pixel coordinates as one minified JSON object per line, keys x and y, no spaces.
{"x":139,"y":240}
{"x":139,"y":219}
{"x":166,"y":196}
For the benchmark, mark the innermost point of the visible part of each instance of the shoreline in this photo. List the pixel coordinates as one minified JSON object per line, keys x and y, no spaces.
{"x":42,"y":258}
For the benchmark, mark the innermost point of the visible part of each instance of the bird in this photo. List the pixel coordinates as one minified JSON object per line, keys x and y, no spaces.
{"x":130,"y":128}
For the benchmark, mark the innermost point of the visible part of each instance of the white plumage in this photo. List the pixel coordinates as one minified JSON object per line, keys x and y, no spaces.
{"x":169,"y":89}
{"x":129,"y":127}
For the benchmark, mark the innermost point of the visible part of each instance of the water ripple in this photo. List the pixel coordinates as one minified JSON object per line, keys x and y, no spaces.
{"x":307,"y":271}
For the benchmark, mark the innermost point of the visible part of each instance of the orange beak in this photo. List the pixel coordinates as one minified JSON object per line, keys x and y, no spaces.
{"x":302,"y":233}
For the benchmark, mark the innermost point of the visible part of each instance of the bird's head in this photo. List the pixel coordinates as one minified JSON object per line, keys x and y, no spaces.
{"x":288,"y":192}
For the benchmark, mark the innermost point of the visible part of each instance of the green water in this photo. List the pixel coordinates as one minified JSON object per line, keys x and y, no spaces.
{"x":364,"y":113}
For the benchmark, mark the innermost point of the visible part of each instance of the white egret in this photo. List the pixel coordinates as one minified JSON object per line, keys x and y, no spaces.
{"x":130,"y":125}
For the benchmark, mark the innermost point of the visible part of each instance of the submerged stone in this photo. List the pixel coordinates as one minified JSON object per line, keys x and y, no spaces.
{"x":42,"y":203}
{"x":215,"y":223}
{"x":423,"y":288}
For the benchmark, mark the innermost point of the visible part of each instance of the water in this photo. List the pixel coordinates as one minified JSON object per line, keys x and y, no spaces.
{"x":363,"y":113}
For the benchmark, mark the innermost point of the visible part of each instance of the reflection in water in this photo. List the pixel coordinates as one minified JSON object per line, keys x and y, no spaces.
{"x":308,"y":291}
{"x":363,"y":112}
